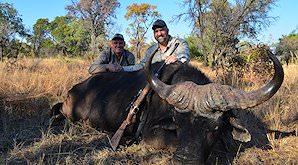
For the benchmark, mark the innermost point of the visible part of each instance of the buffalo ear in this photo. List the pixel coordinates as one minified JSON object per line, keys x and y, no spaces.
{"x":241,"y":135}
{"x":55,"y":110}
{"x":239,"y":132}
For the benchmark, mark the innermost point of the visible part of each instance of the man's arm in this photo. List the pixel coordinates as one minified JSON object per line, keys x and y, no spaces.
{"x":140,"y":65}
{"x":101,"y":64}
{"x":130,"y":58}
{"x":182,"y":52}
{"x":133,"y":68}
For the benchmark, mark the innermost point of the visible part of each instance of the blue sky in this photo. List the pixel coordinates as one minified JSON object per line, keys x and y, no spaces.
{"x":285,"y":10}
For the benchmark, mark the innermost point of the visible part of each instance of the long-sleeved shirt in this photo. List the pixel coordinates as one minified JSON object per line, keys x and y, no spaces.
{"x":107,"y":56}
{"x":181,"y":52}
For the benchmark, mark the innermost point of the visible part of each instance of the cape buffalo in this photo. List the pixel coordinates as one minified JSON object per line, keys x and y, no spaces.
{"x":184,"y":111}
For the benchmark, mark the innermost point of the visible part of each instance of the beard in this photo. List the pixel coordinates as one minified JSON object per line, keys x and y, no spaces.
{"x":161,"y":40}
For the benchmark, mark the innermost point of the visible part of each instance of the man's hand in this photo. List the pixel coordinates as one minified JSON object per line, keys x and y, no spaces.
{"x":170,"y":59}
{"x":114,"y":67}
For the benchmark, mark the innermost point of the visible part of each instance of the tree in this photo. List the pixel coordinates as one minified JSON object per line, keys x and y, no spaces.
{"x":61,"y":32}
{"x":219,"y":24}
{"x":80,"y":37}
{"x":69,"y":36}
{"x":195,"y":51}
{"x":97,"y":14}
{"x":287,"y":48}
{"x":142,"y":17}
{"x":10,"y":26}
{"x":40,"y":35}
{"x":65,"y":34}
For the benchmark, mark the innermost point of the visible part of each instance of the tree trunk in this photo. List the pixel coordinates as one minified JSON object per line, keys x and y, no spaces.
{"x":93,"y":46}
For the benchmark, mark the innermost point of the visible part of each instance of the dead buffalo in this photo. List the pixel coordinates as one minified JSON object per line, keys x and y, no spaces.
{"x":184,"y":111}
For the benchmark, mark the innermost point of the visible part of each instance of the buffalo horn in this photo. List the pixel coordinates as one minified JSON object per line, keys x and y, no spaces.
{"x":201,"y":99}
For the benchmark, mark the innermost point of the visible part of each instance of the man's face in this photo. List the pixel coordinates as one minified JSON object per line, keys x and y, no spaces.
{"x":161,"y":35}
{"x":117,"y":46}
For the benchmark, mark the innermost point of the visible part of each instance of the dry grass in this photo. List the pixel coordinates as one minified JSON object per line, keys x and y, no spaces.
{"x":284,"y":151}
{"x":280,"y":112}
{"x":28,"y":88}
{"x":31,"y":78}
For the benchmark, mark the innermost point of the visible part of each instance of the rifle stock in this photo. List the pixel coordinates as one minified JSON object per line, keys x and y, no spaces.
{"x":132,"y":111}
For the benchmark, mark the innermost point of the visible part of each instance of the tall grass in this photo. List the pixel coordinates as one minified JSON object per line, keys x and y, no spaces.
{"x":25,"y":78}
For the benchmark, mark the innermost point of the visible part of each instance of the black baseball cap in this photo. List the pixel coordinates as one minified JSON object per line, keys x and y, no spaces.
{"x":118,"y":36}
{"x":159,"y":24}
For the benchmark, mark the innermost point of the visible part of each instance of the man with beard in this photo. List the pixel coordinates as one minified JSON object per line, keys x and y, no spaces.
{"x":170,"y":49}
{"x":112,"y":58}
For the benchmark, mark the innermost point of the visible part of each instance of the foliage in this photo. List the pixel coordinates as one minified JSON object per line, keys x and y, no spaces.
{"x":74,"y":34}
{"x":287,"y":48}
{"x":96,"y":15}
{"x":80,"y":36}
{"x":195,"y":50}
{"x":252,"y":61}
{"x":10,"y":26}
{"x":142,"y":17}
{"x":68,"y":35}
{"x":64,"y":35}
{"x":40,"y":37}
{"x":220,"y":24}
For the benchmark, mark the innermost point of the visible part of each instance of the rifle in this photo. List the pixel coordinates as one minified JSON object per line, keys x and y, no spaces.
{"x":114,"y":141}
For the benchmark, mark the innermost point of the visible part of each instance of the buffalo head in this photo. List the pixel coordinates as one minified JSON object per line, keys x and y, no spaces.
{"x":200,"y":110}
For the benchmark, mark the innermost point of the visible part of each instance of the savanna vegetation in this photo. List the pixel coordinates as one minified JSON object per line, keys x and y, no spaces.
{"x":38,"y":66}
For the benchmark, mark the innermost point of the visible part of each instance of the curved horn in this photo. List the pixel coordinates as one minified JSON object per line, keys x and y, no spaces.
{"x":204,"y":98}
{"x":154,"y":82}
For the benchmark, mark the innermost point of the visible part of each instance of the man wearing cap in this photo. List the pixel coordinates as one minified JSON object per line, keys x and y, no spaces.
{"x":112,"y":58}
{"x":170,"y":49}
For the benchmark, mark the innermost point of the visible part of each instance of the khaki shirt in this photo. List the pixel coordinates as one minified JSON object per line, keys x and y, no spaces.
{"x":181,"y":52}
{"x":107,"y":56}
